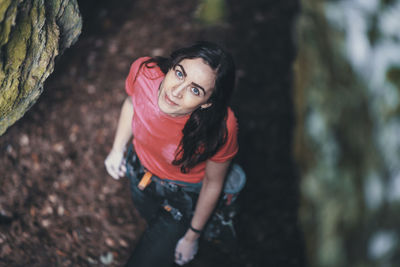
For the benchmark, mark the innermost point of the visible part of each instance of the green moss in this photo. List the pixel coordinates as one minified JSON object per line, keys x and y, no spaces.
{"x":34,"y":50}
{"x":16,"y":47}
{"x":18,"y":111}
{"x":211,"y":11}
{"x":53,"y":7}
{"x":9,"y":95}
{"x":31,"y":42}
{"x":6,"y":22}
{"x":2,"y":77}
{"x":4,"y":4}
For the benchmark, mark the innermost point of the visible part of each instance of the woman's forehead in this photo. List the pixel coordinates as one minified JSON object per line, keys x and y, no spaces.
{"x":195,"y":65}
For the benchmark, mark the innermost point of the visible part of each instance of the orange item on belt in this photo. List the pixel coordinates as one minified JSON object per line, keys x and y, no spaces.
{"x":145,"y":181}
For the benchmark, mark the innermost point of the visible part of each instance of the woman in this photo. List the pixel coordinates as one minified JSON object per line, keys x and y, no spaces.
{"x":185,"y":136}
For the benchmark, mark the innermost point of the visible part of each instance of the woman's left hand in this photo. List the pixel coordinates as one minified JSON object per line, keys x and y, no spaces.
{"x":185,"y":250}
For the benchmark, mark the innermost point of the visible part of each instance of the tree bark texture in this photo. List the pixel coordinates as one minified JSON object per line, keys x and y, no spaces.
{"x":32,"y":34}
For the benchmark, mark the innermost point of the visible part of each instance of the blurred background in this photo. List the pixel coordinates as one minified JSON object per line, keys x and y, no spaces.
{"x":348,"y":134}
{"x":317,"y":103}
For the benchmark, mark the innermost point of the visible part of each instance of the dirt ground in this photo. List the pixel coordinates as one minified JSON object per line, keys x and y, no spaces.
{"x":58,"y":206}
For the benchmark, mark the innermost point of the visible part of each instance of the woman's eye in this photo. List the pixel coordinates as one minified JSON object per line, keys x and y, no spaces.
{"x":179,"y":74}
{"x":195,"y":91}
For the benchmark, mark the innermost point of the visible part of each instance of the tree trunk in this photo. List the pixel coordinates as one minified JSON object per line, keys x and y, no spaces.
{"x":32,"y":34}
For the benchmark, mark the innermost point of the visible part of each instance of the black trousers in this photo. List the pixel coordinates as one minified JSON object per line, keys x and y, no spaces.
{"x":156,"y":246}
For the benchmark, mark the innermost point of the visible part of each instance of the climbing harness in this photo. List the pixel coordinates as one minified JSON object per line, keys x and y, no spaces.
{"x":221,"y":221}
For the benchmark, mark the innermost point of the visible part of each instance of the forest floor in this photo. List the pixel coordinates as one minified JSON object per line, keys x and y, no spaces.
{"x":58,"y":206}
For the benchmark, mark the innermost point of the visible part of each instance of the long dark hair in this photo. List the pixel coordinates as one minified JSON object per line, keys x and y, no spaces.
{"x":205,"y":131}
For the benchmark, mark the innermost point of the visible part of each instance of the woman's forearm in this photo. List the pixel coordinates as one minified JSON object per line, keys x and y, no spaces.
{"x":124,"y":128}
{"x":205,"y":205}
{"x":208,"y":197}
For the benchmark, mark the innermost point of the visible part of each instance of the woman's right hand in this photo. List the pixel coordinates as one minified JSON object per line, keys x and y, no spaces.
{"x":115,"y":164}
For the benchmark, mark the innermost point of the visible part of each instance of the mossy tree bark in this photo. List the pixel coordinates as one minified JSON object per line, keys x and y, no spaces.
{"x":32,"y":34}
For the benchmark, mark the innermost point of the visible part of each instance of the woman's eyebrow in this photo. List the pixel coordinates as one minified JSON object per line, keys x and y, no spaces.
{"x":183,"y":69}
{"x":201,"y":88}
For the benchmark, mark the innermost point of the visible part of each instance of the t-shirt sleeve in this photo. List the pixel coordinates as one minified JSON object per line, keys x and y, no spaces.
{"x":130,"y":80}
{"x":231,"y":147}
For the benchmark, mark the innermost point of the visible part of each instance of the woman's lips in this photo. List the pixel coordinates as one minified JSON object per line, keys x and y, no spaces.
{"x":169,"y":101}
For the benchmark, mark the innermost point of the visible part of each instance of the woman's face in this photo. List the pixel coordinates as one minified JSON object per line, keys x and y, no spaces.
{"x":186,"y":87}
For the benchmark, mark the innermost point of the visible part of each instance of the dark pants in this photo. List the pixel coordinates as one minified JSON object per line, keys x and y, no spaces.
{"x":157,"y":245}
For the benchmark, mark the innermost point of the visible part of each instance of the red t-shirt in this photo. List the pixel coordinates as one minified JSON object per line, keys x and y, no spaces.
{"x":157,"y":135}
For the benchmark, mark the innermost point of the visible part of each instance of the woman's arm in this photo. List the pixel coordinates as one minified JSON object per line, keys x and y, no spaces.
{"x":123,"y":134}
{"x":124,"y":128}
{"x":210,"y":191}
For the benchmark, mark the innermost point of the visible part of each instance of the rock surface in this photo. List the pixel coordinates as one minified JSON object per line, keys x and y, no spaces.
{"x":32,"y":34}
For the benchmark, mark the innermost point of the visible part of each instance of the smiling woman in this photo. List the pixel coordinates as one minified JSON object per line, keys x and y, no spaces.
{"x":185,"y":137}
{"x":187,"y":86}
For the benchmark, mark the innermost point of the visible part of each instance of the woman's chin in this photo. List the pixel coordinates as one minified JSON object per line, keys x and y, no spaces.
{"x":165,"y":109}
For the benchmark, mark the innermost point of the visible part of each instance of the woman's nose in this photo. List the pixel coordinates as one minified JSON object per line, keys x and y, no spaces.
{"x":178,"y":90}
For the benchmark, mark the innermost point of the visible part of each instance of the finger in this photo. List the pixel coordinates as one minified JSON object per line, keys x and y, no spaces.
{"x":179,"y":262}
{"x":178,"y":258}
{"x":183,"y":259}
{"x":111,"y":171}
{"x":115,"y":176}
{"x":121,"y":170}
{"x":178,"y":255}
{"x":121,"y":174}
